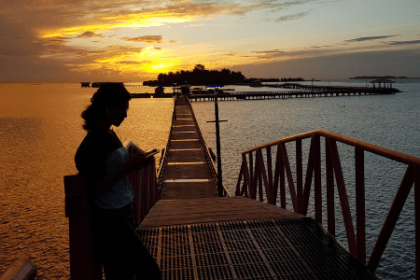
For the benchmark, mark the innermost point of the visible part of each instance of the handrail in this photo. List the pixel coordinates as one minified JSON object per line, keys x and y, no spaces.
{"x":388,"y":153}
{"x":85,"y":263}
{"x":257,"y":181}
{"x":164,"y":160}
{"x":144,"y":183}
{"x":209,"y":159}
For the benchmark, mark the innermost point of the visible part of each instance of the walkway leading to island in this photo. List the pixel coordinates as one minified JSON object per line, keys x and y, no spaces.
{"x":188,"y":174}
{"x":193,"y":234}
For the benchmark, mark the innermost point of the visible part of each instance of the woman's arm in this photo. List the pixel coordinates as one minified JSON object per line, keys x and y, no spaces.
{"x":135,"y":162}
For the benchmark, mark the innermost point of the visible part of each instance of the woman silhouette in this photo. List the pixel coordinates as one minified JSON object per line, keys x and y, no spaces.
{"x":104,"y":162}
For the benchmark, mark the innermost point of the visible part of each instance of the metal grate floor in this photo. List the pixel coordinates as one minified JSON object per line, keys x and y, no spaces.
{"x":266,"y":249}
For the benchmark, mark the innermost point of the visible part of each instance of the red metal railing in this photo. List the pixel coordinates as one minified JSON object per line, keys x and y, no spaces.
{"x":258,"y":182}
{"x":84,"y":260}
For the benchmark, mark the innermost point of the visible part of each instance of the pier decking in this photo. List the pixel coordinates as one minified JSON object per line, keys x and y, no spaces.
{"x":193,"y":234}
{"x":188,"y":174}
{"x":301,"y":91}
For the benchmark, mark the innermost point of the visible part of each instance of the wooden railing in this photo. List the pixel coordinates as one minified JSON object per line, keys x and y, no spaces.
{"x":258,"y":182}
{"x":165,"y":155}
{"x":144,"y":183}
{"x":85,"y":263}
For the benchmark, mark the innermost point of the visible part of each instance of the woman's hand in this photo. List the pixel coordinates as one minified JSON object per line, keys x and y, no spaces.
{"x":138,"y":161}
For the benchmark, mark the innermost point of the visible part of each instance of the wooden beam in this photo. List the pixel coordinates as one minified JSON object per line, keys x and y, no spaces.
{"x":348,"y":222}
{"x":330,"y":189}
{"x":360,"y":205}
{"x":392,"y":217}
{"x":289,"y":176}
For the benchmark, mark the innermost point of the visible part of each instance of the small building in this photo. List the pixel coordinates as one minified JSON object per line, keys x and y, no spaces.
{"x":387,"y":83}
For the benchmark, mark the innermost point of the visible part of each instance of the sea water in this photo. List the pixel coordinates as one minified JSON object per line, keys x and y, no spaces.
{"x":40,"y":130}
{"x":390,"y":121}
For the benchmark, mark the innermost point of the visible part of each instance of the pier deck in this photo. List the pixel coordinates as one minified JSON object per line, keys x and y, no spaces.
{"x":193,"y":234}
{"x":187,"y":173}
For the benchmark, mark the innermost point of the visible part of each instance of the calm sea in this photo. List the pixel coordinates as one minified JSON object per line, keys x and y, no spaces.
{"x":390,"y":121}
{"x":40,"y":130}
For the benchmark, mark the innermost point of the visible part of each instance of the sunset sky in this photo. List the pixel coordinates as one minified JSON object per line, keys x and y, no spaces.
{"x":134,"y":40}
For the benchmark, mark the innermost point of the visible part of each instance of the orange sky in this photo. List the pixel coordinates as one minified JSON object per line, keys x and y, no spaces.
{"x":131,"y":40}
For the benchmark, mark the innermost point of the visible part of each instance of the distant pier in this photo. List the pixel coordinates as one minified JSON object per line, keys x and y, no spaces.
{"x":320,"y":91}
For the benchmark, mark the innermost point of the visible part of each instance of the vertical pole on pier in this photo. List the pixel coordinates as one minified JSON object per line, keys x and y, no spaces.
{"x":219,"y":158}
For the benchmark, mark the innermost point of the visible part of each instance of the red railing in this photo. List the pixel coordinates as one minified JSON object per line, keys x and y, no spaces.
{"x":84,"y":261}
{"x":258,"y":181}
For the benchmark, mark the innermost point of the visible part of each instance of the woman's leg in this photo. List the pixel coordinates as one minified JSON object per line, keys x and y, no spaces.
{"x":124,"y":255}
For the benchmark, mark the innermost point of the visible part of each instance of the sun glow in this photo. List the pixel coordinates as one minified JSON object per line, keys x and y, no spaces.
{"x":149,"y":60}
{"x":119,"y":21}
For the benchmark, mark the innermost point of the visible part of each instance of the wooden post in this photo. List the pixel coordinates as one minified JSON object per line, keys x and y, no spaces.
{"x":238,"y":184}
{"x":308,"y":182}
{"x":360,"y":205}
{"x":317,"y":169}
{"x":299,"y":184}
{"x":247,"y":180}
{"x":348,"y":222}
{"x":251,"y":176}
{"x":84,"y":261}
{"x":330,"y":189}
{"x":417,"y":217}
{"x":270,"y":175}
{"x":289,"y":176}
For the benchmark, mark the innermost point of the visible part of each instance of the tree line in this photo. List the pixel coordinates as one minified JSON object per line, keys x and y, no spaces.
{"x":198,"y":76}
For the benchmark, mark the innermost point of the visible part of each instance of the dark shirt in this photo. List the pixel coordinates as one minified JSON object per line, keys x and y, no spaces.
{"x":91,"y":155}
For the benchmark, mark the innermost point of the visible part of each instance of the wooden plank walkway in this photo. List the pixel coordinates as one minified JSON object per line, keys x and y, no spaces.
{"x":187,"y":173}
{"x":193,"y":234}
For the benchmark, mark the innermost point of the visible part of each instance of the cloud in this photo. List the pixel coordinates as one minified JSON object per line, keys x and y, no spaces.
{"x":89,"y":34}
{"x":404,"y":42}
{"x":371,"y":38}
{"x":129,"y":62}
{"x":291,"y":17}
{"x":340,"y":66}
{"x":271,"y":54}
{"x":150,"y":39}
{"x":172,"y":41}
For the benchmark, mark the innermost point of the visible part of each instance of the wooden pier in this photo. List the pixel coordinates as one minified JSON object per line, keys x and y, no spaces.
{"x":303,"y":92}
{"x":194,"y":234}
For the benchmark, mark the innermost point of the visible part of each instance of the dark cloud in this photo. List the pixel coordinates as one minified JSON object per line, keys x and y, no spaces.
{"x":341,"y":66}
{"x":271,"y":54}
{"x":291,"y":17}
{"x":89,"y":34}
{"x":404,"y":42}
{"x":371,"y":38}
{"x":150,"y":39}
{"x":128,"y":62}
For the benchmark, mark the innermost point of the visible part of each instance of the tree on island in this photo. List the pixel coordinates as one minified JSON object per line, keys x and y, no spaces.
{"x":198,"y":76}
